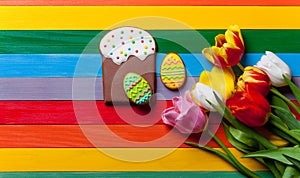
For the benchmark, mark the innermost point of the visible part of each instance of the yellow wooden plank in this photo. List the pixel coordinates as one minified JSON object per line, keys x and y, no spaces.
{"x":103,"y":17}
{"x":91,"y":159}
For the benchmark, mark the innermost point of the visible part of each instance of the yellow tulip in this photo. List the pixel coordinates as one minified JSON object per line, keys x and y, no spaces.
{"x":220,"y":79}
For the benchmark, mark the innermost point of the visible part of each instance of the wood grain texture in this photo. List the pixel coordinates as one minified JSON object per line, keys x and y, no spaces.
{"x":169,"y":174}
{"x":62,"y":112}
{"x":92,"y":159}
{"x":90,"y":89}
{"x":148,"y":3}
{"x":73,"y":136}
{"x":75,"y":41}
{"x":89,"y":65}
{"x":91,"y":17}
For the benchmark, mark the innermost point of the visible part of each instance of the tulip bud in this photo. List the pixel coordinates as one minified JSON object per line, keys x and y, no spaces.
{"x":275,"y":68}
{"x":249,"y":107}
{"x":254,"y":79}
{"x":228,"y":49}
{"x":201,"y":93}
{"x":185,"y":115}
{"x":220,"y":79}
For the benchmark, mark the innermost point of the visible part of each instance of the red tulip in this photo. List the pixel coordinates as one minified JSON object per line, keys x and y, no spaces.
{"x":228,"y":49}
{"x":249,"y":107}
{"x":254,"y":79}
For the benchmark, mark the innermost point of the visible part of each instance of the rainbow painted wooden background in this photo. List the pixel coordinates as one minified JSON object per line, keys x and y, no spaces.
{"x":40,"y":45}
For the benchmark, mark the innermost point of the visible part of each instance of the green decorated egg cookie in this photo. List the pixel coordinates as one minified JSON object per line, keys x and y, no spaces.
{"x":137,"y":89}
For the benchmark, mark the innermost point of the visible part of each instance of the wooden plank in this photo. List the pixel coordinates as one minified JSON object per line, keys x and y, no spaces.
{"x":112,"y":136}
{"x":185,"y":174}
{"x":89,"y":65}
{"x":103,"y":17}
{"x":92,"y":159}
{"x":91,"y":89}
{"x":148,"y":3}
{"x":75,"y":41}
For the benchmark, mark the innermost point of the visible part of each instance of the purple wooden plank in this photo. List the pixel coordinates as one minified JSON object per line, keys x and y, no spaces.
{"x":61,"y":89}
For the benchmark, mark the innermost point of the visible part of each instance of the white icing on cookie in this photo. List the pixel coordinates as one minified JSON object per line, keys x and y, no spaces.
{"x":123,"y":42}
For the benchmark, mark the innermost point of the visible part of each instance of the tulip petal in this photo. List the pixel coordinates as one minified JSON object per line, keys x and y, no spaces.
{"x":275,"y":68}
{"x":185,"y":115}
{"x":228,"y":49}
{"x":220,"y":79}
{"x":201,"y":93}
{"x":249,"y":107}
{"x":234,"y":36}
{"x":220,"y":40}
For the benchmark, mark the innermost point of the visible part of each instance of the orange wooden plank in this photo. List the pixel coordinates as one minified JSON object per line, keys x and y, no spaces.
{"x":150,"y":3}
{"x":72,"y":136}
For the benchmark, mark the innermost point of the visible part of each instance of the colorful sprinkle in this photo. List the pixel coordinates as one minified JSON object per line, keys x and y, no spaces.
{"x":153,"y":49}
{"x":142,"y":37}
{"x":111,"y":54}
{"x":108,"y":40}
{"x":121,"y":37}
{"x":142,"y":41}
{"x":145,"y":53}
{"x":125,"y":54}
{"x":121,"y":51}
{"x":150,"y":41}
{"x":123,"y":42}
{"x":118,"y":57}
{"x":129,"y":49}
{"x":146,"y":47}
{"x":105,"y":46}
{"x":131,"y":31}
{"x":130,"y":37}
{"x":133,"y":41}
{"x":140,"y":32}
{"x":136,"y":51}
{"x":112,"y":36}
{"x":113,"y":46}
{"x":122,"y":32}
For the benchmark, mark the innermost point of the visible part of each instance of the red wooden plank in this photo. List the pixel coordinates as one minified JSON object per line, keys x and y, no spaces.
{"x":62,"y":112}
{"x":71,"y":136}
{"x":150,"y":3}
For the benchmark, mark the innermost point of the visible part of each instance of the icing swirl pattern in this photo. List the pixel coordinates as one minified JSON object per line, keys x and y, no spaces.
{"x":123,"y":42}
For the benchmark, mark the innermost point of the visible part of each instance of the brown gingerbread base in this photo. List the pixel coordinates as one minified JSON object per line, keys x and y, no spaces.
{"x":114,"y":74}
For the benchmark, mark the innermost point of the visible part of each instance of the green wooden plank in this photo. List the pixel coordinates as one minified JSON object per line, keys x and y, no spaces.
{"x":74,"y":42}
{"x":264,"y":174}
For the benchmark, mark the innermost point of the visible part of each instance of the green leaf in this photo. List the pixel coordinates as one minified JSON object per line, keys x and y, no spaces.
{"x":280,"y":166}
{"x":237,"y":144}
{"x":296,"y":131}
{"x":290,"y":172}
{"x":271,"y":164}
{"x":294,"y":88}
{"x":277,"y":101}
{"x":294,"y":161}
{"x":243,"y":137}
{"x":287,"y":116}
{"x":277,"y":154}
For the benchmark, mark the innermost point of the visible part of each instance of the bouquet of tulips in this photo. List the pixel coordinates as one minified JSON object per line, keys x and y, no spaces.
{"x":250,"y":103}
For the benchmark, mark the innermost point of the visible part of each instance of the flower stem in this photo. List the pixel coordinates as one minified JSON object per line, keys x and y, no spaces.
{"x":237,"y":124}
{"x":207,"y":148}
{"x":276,"y":92}
{"x":241,"y":67}
{"x":283,"y":129}
{"x":237,"y":164}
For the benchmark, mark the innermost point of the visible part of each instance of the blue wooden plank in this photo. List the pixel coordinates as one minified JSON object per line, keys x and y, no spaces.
{"x":88,"y":65}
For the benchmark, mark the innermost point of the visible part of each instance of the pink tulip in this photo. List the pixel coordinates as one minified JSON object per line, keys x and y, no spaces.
{"x":185,"y":115}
